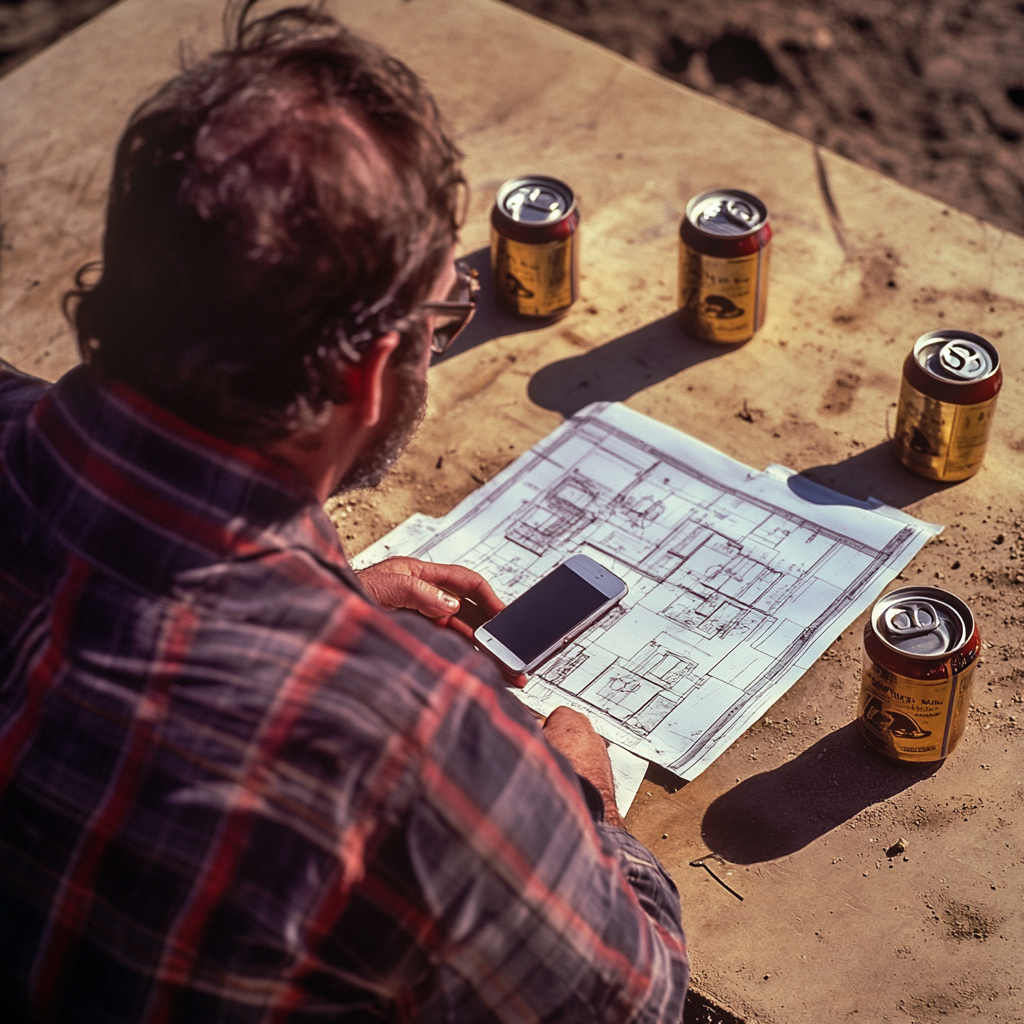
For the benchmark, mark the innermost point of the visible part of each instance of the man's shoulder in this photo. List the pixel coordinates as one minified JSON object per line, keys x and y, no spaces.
{"x":391,"y":692}
{"x":295,"y":608}
{"x":19,"y":391}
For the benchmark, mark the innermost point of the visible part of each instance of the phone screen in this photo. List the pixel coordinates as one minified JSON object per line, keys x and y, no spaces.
{"x":545,"y":613}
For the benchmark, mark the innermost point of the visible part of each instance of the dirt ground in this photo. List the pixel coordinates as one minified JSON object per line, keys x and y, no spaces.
{"x":28,"y":26}
{"x":929,"y":92}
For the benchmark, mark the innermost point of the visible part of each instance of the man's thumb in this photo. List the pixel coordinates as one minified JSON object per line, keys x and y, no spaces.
{"x":429,"y":599}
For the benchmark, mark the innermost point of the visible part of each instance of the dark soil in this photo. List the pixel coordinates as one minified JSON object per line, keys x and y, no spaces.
{"x":28,"y":26}
{"x":929,"y":92}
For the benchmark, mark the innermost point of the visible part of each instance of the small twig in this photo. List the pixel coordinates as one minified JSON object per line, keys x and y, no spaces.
{"x":834,"y":219}
{"x":725,"y":885}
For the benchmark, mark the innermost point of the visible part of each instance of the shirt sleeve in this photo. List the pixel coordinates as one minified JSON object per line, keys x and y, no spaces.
{"x":18,"y":393}
{"x":540,"y":912}
{"x":12,"y":380}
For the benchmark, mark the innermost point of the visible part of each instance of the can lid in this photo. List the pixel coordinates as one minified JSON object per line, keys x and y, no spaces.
{"x":726,"y":212}
{"x":920,"y":621}
{"x":964,"y":360}
{"x":535,"y":200}
{"x":959,"y":357}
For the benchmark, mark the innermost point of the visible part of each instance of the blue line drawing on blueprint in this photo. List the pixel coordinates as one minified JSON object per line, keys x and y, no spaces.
{"x":738,"y":580}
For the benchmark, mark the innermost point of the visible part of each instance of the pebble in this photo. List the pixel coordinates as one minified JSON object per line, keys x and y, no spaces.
{"x":897,"y":848}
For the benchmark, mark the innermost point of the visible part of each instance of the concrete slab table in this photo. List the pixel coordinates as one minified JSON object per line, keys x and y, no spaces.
{"x":796,"y":817}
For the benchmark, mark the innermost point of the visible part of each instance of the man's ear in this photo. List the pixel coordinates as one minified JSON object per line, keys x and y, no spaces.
{"x":363,"y":384}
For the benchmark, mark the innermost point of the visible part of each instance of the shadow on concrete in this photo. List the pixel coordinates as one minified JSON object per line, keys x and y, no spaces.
{"x":489,"y":321}
{"x":873,"y":473}
{"x":780,"y":811}
{"x":662,"y":777}
{"x":619,"y":369}
{"x":701,"y":1009}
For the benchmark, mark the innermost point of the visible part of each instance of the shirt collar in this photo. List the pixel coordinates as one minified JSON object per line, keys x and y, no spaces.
{"x":100,"y":458}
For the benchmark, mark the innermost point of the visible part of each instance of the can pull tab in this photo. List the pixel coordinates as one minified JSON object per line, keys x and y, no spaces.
{"x":914,"y":618}
{"x":729,"y":211}
{"x":536,"y":204}
{"x":740,"y":212}
{"x":962,"y":359}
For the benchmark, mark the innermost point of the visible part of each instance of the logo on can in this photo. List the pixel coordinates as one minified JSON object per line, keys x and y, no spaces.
{"x":535,"y":246}
{"x":947,"y":399}
{"x":921,"y":647}
{"x":724,"y":245}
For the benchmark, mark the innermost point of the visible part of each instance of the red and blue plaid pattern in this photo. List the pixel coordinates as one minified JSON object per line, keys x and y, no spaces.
{"x":233,"y":789}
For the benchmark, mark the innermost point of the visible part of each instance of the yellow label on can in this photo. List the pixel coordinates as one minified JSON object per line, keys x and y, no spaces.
{"x":534,"y":280}
{"x":913,"y":719}
{"x":723,"y":300}
{"x":941,"y":440}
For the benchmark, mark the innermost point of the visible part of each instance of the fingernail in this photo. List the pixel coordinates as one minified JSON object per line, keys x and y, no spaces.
{"x":448,"y":601}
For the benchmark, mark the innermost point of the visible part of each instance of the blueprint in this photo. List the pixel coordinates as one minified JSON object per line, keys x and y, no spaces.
{"x":738,"y":579}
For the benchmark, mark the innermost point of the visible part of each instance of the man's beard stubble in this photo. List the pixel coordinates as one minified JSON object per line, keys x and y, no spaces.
{"x":373,"y":465}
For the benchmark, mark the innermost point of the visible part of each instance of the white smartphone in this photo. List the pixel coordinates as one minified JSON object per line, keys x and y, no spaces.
{"x":558,"y":607}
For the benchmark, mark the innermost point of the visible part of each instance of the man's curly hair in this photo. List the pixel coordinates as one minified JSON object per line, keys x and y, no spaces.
{"x":273,"y":209}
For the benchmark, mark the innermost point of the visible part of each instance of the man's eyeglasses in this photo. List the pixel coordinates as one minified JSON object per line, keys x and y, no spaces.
{"x":452,"y":315}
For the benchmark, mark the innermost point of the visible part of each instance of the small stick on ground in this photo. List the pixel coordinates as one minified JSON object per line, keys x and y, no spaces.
{"x":725,"y":885}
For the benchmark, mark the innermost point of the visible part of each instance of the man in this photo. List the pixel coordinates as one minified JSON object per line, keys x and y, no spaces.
{"x":235,"y":782}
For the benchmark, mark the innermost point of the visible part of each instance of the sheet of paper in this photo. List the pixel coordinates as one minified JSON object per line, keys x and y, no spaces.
{"x":628,"y":772}
{"x":738,"y":579}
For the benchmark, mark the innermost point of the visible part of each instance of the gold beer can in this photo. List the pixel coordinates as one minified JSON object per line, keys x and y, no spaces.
{"x":921,"y":647}
{"x":535,"y":246}
{"x":951,"y":380}
{"x":724,"y":246}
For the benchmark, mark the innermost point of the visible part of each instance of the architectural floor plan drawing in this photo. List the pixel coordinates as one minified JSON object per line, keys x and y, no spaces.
{"x":738,"y":580}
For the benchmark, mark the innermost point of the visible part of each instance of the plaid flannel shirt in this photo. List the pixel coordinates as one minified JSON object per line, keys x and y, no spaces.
{"x":234,"y":789}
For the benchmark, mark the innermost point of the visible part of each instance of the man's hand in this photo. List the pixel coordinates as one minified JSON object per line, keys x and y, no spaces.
{"x":572,"y":735}
{"x":433,"y":590}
